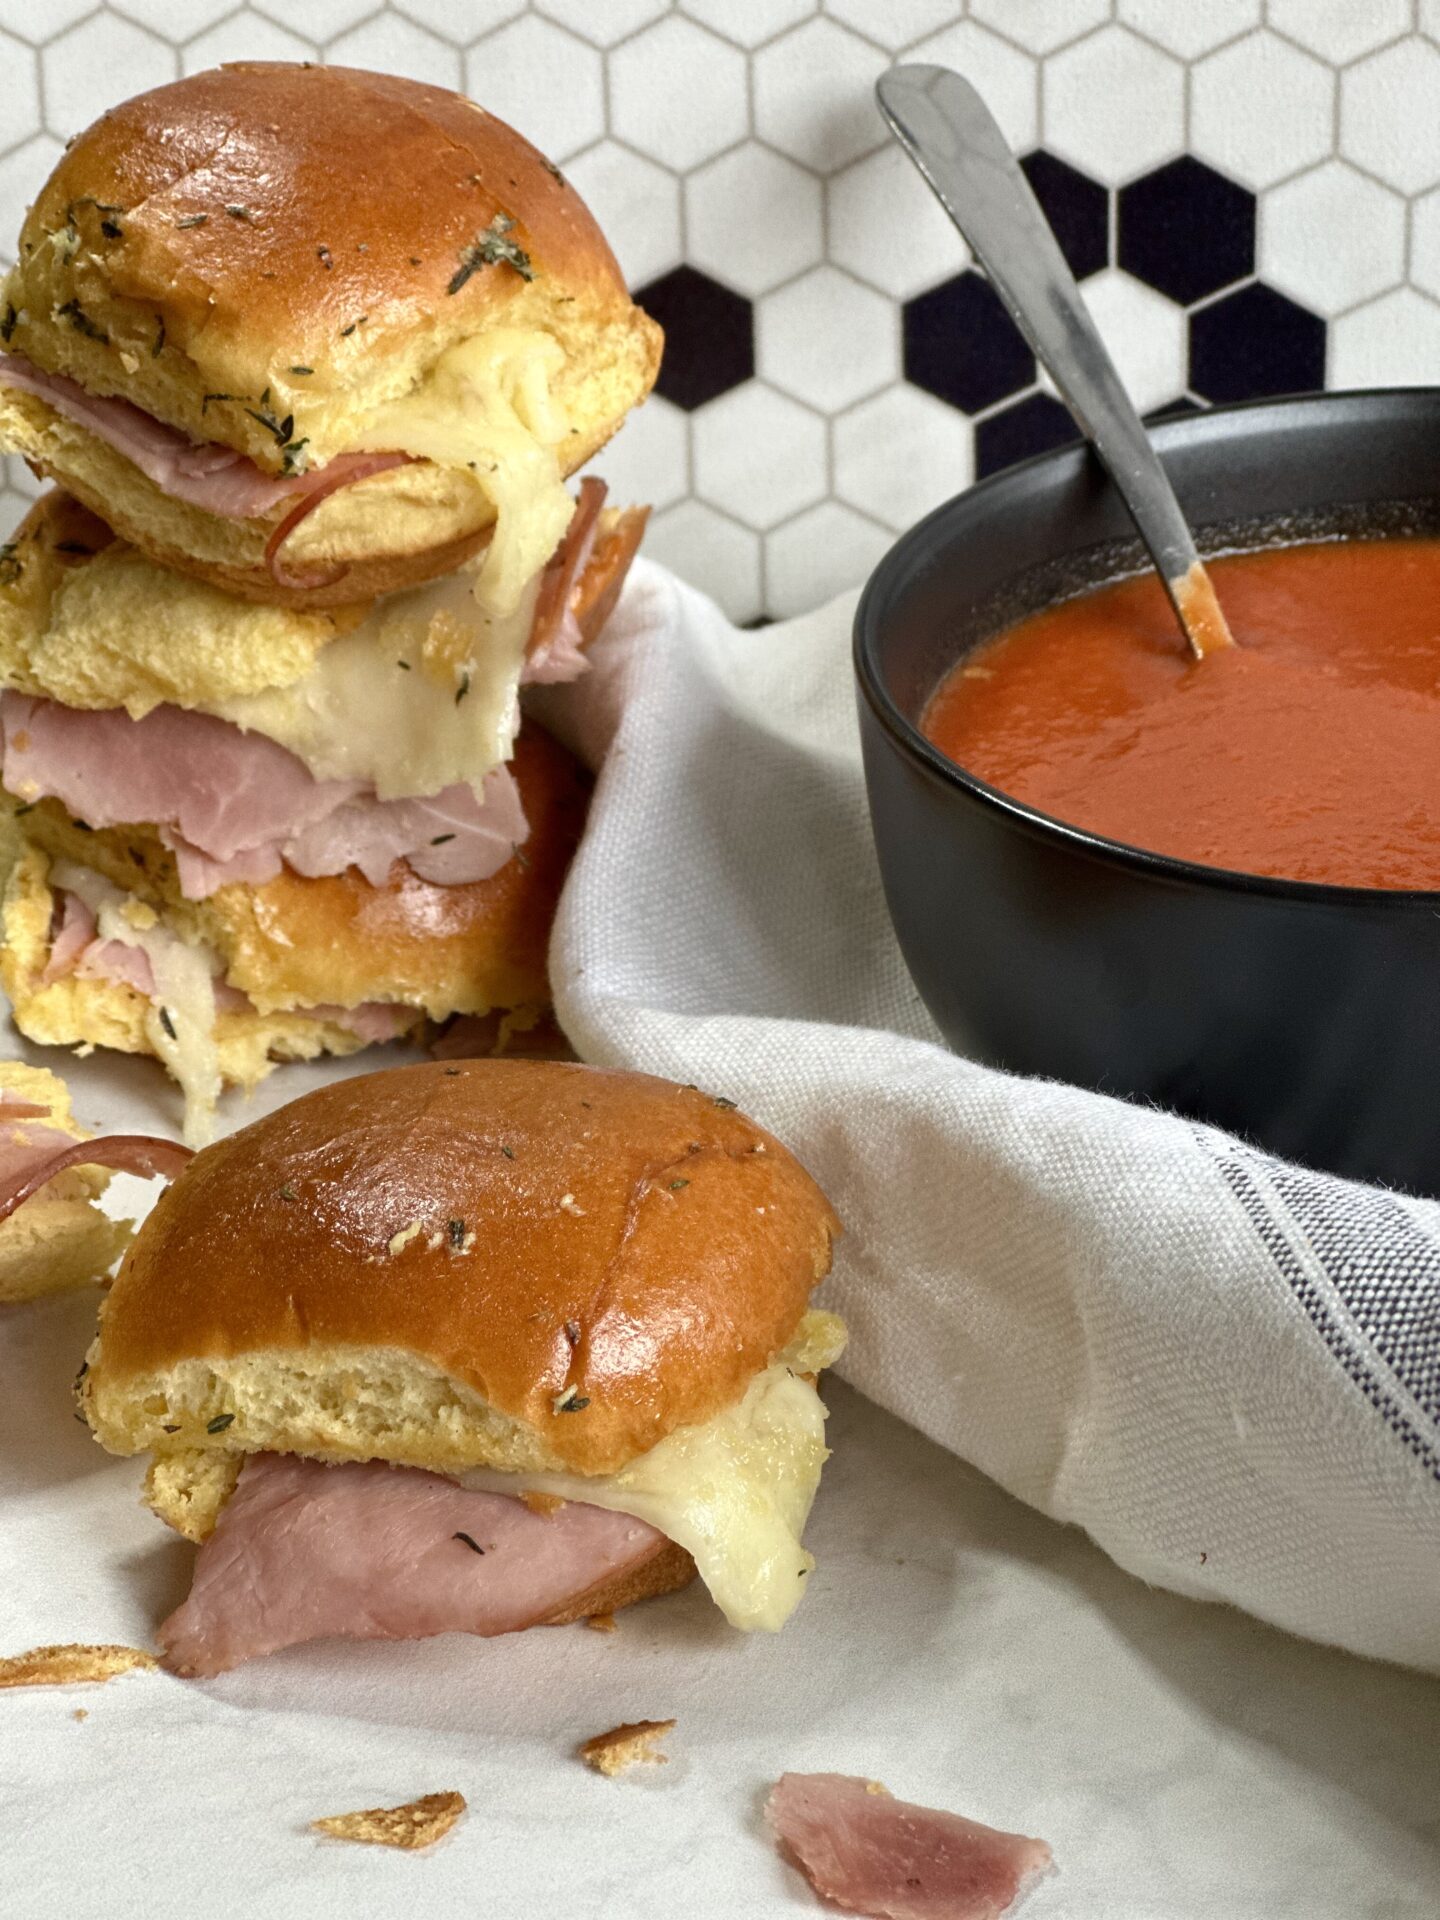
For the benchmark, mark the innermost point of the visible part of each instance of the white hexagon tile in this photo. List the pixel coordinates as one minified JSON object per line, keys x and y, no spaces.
{"x":1248,"y":190}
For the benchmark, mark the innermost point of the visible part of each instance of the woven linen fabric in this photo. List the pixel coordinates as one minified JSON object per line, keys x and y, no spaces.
{"x":1223,"y":1367}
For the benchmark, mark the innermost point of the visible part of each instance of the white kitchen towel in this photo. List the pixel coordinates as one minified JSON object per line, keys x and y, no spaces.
{"x":1226,"y":1369}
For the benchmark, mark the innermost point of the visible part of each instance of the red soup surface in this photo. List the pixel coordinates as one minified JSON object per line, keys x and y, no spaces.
{"x":1310,"y":751}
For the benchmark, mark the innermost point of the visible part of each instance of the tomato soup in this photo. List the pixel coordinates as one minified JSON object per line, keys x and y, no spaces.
{"x":1310,"y":751}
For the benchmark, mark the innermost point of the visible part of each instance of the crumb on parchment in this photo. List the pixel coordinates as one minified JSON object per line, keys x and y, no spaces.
{"x":419,"y":1823}
{"x":633,"y":1745}
{"x":71,"y":1665}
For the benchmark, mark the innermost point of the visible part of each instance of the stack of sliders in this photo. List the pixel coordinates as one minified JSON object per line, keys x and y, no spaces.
{"x":309,"y":353}
{"x":472,"y":1348}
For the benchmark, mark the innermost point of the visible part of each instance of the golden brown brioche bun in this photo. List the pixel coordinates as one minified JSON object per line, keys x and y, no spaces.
{"x":276,"y":216}
{"x":523,"y":1265}
{"x":295,"y":942}
{"x":213,"y":236}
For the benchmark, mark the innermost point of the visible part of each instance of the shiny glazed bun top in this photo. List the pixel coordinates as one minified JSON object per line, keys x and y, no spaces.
{"x":318,"y":235}
{"x":505,"y":1263}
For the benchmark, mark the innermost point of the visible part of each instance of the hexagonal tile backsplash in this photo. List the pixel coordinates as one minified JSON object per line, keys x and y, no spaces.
{"x":1249,"y":191}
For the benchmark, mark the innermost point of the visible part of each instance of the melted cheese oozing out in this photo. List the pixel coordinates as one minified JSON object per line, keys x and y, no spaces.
{"x":486,"y":407}
{"x":735,"y":1492}
{"x":184,"y":993}
{"x":449,"y":713}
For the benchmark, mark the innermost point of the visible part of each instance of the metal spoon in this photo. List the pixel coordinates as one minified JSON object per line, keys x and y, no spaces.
{"x":951,"y":135}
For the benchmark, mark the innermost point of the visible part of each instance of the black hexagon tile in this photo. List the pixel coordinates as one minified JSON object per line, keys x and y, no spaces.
{"x":1186,"y":230}
{"x":709,"y":336}
{"x":1033,"y":424}
{"x":962,"y":346}
{"x":1254,"y":342}
{"x":1077,"y":208}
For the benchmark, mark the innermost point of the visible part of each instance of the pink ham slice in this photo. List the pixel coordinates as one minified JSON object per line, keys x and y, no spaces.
{"x":365,"y":1551}
{"x":24,"y":1171}
{"x":23,"y":1147}
{"x":215,"y":478}
{"x":872,"y":1854}
{"x":236,"y":806}
{"x":69,"y":938}
{"x":554,"y":651}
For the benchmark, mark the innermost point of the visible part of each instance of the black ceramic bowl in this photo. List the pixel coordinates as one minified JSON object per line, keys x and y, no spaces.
{"x":1305,"y":1017}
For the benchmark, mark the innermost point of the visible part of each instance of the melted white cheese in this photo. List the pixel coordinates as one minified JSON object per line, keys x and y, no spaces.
{"x":485,"y":407}
{"x":735,"y":1492}
{"x":421,"y":695}
{"x":180,"y":1024}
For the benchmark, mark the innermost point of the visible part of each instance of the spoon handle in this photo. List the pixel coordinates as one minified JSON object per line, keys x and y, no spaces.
{"x":951,"y":136}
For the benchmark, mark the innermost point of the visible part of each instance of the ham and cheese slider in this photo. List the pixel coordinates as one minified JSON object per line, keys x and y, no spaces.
{"x":315,"y":334}
{"x":473,"y":1348}
{"x":246,"y":833}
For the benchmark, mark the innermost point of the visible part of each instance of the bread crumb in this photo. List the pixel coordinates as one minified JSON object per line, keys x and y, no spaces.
{"x":67,"y":1666}
{"x":879,"y":1787}
{"x":401,"y":1240}
{"x":545,"y":1504}
{"x":601,"y":1623}
{"x":572,"y":1205}
{"x":632,"y":1745}
{"x":419,"y":1823}
{"x":81,"y":1713}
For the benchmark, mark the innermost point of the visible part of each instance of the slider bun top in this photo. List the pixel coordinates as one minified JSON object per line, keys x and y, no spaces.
{"x":214,"y":235}
{"x":516,"y":1264}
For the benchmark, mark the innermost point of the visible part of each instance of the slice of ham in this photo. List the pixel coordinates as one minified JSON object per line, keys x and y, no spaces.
{"x":236,"y":806}
{"x":554,"y":650}
{"x":23,"y":1147}
{"x":137,"y":1153}
{"x":876,"y":1855}
{"x":373,"y":1021}
{"x":119,"y":963}
{"x":73,"y":932}
{"x":365,"y":1551}
{"x":450,"y":838}
{"x":218,"y":479}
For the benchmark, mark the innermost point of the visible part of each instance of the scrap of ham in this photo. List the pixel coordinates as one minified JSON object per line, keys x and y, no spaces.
{"x":873,"y":1854}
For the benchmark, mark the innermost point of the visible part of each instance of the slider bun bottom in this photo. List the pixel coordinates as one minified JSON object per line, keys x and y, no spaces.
{"x":396,"y":529}
{"x":294,"y":943}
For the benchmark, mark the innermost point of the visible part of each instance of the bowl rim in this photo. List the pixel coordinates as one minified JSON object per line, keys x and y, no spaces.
{"x":881,"y":583}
